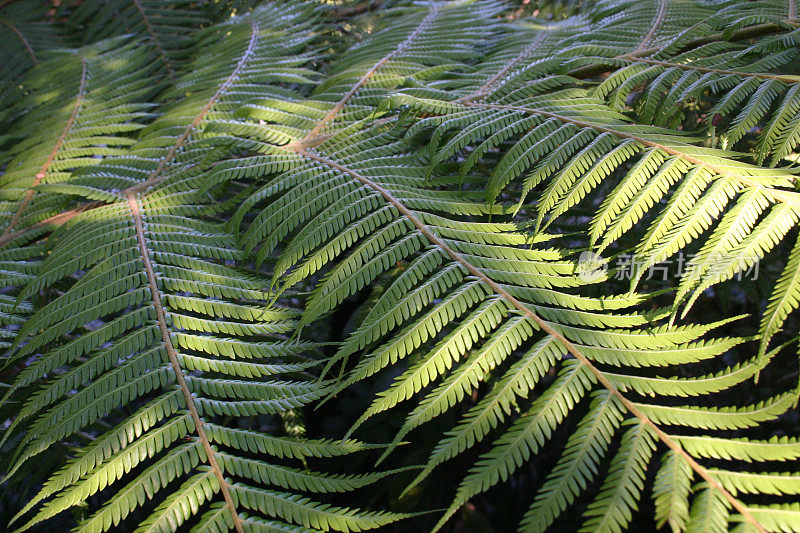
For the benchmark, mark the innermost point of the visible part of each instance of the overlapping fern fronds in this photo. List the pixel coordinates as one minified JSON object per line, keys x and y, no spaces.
{"x":159,"y":358}
{"x":169,"y":26}
{"x":159,"y":328}
{"x":80,"y":105}
{"x":479,"y":301}
{"x":450,"y":173}
{"x":25,"y":37}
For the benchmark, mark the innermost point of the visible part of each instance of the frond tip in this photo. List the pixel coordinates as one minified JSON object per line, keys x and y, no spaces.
{"x":239,"y":239}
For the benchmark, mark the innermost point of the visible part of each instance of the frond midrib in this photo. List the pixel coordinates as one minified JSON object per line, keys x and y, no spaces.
{"x":152,"y":282}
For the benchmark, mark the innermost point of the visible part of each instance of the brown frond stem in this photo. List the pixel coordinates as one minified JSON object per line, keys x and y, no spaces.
{"x":53,"y":221}
{"x":657,"y":20}
{"x":22,"y":38}
{"x":788,"y":197}
{"x":154,"y":38}
{"x":133,"y":204}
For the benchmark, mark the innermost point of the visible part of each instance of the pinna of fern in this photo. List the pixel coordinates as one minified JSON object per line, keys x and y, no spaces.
{"x":747,"y":94}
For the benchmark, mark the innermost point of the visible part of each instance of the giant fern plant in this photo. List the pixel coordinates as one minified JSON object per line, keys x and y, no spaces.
{"x":399,"y":227}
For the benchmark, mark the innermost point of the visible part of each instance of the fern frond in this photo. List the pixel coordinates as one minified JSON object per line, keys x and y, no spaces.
{"x":170,"y":27}
{"x":84,"y":103}
{"x":472,"y":298}
{"x":143,"y":280}
{"x":25,"y":39}
{"x":671,"y":492}
{"x":358,"y":202}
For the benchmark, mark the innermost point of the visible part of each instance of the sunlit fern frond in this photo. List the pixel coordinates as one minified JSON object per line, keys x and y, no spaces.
{"x":158,"y":356}
{"x":564,"y":146}
{"x":78,"y":107}
{"x":413,"y":45}
{"x":174,"y":366}
{"x":82,"y":104}
{"x":105,"y":86}
{"x":470,"y":297}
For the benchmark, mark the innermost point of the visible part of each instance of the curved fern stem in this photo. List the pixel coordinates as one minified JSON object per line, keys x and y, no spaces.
{"x":657,"y":20}
{"x":787,"y":197}
{"x":133,"y":204}
{"x":154,"y":38}
{"x":22,"y":38}
{"x":739,"y":35}
{"x":725,"y":72}
{"x":330,"y":115}
{"x":544,"y":326}
{"x":485,"y":89}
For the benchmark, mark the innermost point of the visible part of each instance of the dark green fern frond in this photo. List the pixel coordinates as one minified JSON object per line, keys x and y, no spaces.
{"x":406,"y":226}
{"x":472,"y":294}
{"x":25,"y":38}
{"x":143,"y":332}
{"x":161,"y":350}
{"x":749,"y":97}
{"x":170,"y":27}
{"x":83,"y":104}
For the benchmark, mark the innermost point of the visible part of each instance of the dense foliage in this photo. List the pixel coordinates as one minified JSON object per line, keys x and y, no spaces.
{"x":465,"y":265}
